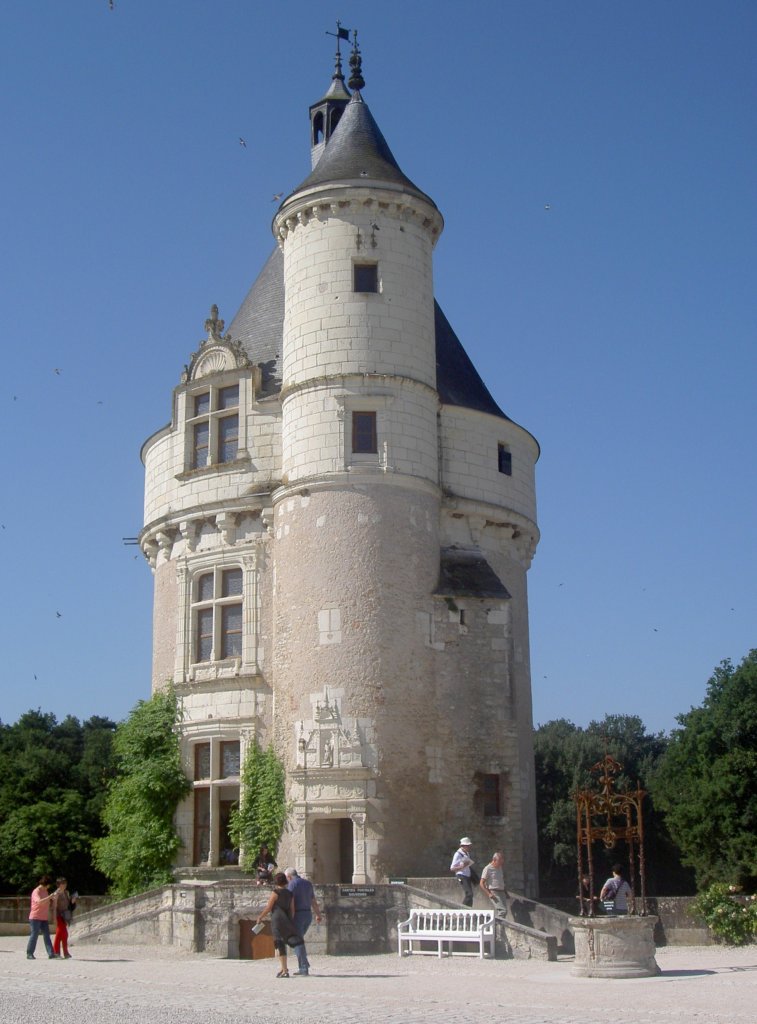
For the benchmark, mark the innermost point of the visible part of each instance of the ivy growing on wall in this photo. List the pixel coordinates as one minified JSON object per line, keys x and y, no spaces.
{"x":137,"y":853}
{"x":261,"y":813}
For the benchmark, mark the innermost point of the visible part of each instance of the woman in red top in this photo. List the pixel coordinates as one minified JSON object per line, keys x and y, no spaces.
{"x":38,"y":915}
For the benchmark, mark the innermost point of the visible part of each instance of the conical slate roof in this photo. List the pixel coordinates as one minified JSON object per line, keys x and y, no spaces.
{"x":259,"y":326}
{"x":357,"y":151}
{"x":259,"y":323}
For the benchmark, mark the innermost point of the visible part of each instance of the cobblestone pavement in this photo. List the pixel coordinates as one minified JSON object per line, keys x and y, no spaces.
{"x":106,"y":984}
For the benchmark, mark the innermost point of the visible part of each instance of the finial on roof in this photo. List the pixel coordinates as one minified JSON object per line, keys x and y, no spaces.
{"x":356,"y":65}
{"x":214,"y":325}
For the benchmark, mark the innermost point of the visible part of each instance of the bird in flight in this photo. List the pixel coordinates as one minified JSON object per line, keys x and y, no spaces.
{"x":276,"y":196}
{"x":56,"y":369}
{"x":58,"y":615}
{"x":242,"y":142}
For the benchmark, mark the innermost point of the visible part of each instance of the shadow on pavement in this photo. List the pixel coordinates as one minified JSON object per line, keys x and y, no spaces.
{"x":686,"y":974}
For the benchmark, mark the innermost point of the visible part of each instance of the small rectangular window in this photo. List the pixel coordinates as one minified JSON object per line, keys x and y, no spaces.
{"x":228,"y":438}
{"x":490,"y":786}
{"x":366,"y":277}
{"x":504,"y":460}
{"x":205,"y":587}
{"x":201,"y":444}
{"x":228,"y":398}
{"x":230,"y":759}
{"x":231,"y":583}
{"x":364,"y":438}
{"x":202,"y":404}
{"x":231,"y":631}
{"x":202,"y":761}
{"x":204,"y":634}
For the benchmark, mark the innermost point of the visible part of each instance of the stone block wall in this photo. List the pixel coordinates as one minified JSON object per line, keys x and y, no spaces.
{"x":469,"y":447}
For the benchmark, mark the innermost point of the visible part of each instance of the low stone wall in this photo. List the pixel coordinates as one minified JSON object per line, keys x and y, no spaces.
{"x":14,"y":912}
{"x":207,"y":917}
{"x":675,"y":925}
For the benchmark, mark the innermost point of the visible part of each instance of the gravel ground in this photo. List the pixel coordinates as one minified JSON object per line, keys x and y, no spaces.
{"x":106,"y":984}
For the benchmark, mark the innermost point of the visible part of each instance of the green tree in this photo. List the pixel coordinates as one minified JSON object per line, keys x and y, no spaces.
{"x":138,"y":850}
{"x":564,"y":755}
{"x":262,"y":810}
{"x":707,"y":782}
{"x":51,"y":783}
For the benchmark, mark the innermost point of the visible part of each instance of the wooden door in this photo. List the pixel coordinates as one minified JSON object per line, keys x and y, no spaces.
{"x":255,"y":947}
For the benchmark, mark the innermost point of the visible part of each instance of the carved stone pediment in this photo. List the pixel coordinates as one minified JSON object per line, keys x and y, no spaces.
{"x":217,"y":353}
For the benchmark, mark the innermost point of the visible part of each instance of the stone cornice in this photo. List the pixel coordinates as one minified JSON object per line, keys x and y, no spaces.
{"x":356,"y":477}
{"x":161,"y":534}
{"x":332,"y":200}
{"x":364,"y":380}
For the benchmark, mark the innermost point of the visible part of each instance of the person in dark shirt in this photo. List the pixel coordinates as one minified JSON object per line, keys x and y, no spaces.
{"x":305,"y":906}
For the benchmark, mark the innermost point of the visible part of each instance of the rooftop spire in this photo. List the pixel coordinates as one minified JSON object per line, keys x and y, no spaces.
{"x":356,"y":65}
{"x":339,"y":35}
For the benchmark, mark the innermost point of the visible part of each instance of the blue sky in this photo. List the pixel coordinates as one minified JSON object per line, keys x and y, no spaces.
{"x":595,"y":165}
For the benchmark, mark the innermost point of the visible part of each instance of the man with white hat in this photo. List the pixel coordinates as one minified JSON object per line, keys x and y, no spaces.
{"x":462,"y":866}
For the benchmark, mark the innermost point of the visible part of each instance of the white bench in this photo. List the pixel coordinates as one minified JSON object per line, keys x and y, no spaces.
{"x":447,"y":927}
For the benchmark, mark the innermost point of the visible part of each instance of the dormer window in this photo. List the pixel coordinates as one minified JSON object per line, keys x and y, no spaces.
{"x":214,"y":426}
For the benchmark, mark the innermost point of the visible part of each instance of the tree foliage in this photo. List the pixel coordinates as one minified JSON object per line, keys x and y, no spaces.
{"x":52,"y":784}
{"x":138,"y":851}
{"x":707,"y":782}
{"x":262,"y":810}
{"x":564,"y":754}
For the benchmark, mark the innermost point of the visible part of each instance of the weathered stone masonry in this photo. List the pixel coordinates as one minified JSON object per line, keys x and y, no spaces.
{"x":340,"y":520}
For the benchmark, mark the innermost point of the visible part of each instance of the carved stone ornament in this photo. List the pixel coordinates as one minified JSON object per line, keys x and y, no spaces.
{"x":216,"y":353}
{"x":325,"y":743}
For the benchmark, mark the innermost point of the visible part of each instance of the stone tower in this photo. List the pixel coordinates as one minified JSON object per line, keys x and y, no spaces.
{"x":340,"y":519}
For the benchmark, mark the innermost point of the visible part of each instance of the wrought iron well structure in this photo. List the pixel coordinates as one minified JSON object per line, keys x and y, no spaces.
{"x":610,"y":815}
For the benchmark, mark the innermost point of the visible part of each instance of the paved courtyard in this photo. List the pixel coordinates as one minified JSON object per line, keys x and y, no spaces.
{"x":156,"y":985}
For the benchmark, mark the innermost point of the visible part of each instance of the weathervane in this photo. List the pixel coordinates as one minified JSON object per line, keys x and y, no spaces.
{"x":339,"y":35}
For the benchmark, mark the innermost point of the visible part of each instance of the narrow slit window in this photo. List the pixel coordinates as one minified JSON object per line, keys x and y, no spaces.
{"x":504,"y":460}
{"x":366,"y":277}
{"x":364,"y":439}
{"x":492,"y":792}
